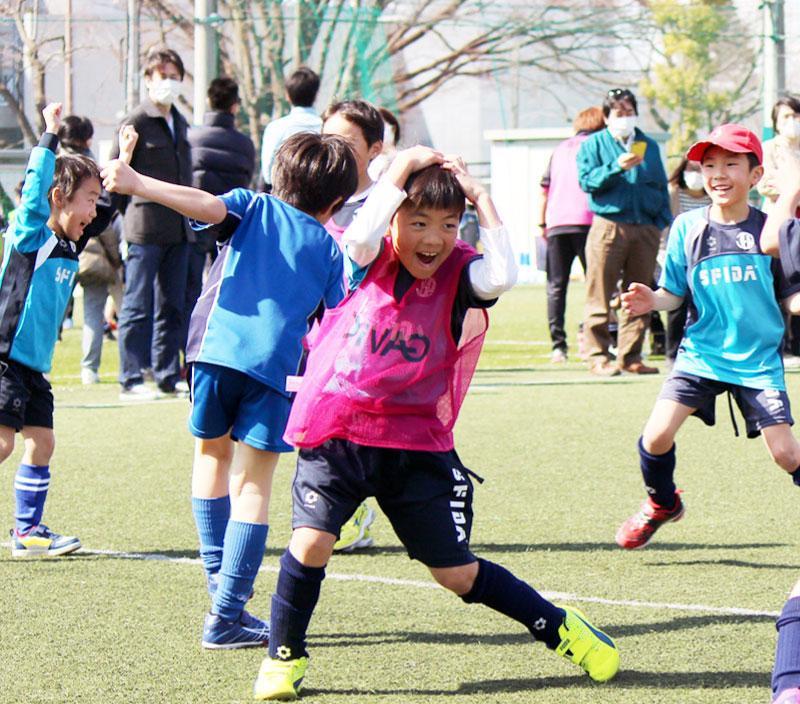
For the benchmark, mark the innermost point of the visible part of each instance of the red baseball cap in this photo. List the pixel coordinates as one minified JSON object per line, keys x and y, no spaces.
{"x":734,"y":138}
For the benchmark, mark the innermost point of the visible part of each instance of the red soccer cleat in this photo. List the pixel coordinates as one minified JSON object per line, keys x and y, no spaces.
{"x":637,"y":531}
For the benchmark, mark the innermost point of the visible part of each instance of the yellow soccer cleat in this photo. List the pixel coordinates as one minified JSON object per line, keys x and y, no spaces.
{"x":587,"y":646}
{"x":355,"y":533}
{"x":280,"y":679}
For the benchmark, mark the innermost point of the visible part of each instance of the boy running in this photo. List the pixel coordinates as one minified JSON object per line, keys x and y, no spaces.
{"x":40,"y":263}
{"x":375,"y":414}
{"x":716,"y":256}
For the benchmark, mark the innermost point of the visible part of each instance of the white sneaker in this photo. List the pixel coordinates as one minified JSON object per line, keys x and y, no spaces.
{"x":138,"y":392}
{"x":89,"y":377}
{"x":558,"y":356}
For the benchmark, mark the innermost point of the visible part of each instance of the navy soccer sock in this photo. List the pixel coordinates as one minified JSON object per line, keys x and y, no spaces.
{"x":500,"y":590}
{"x":241,"y":559}
{"x":30,"y":490}
{"x":796,"y":476}
{"x":211,"y":518}
{"x":786,"y":673}
{"x":296,"y":595}
{"x":657,"y":471}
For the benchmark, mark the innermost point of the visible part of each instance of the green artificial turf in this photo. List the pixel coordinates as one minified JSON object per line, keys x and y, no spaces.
{"x":558,"y":450}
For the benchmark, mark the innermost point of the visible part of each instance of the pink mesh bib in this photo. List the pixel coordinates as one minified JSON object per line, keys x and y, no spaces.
{"x":387,"y":373}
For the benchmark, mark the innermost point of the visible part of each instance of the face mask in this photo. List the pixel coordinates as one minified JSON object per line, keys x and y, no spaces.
{"x":693,"y":180}
{"x":791,"y":128}
{"x":165,"y":91}
{"x":622,"y":126}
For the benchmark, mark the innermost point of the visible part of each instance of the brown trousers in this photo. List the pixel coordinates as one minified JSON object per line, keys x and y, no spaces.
{"x":616,"y":250}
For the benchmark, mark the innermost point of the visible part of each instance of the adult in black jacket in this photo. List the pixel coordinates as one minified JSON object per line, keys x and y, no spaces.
{"x":222,"y":159}
{"x":157,"y":261}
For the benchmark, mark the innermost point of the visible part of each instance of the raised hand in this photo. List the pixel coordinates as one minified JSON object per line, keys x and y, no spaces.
{"x":52,"y":117}
{"x":128,"y":137}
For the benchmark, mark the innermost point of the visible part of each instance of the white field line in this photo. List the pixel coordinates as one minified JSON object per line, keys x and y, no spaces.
{"x":417,"y":584}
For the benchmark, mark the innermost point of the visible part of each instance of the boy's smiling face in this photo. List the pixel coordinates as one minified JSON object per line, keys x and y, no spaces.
{"x":727,"y":176}
{"x":72,"y":216}
{"x":423,"y":238}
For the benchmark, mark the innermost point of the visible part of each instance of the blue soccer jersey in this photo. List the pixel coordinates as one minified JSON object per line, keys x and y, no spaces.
{"x":38,"y":273}
{"x":276,"y":270}
{"x":734,"y":327}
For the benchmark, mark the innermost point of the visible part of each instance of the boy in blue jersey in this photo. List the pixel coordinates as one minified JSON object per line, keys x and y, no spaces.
{"x":715,"y":256}
{"x":278,"y":268}
{"x":40,"y":263}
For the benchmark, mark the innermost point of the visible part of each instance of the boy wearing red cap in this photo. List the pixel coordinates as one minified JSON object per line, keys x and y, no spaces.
{"x":715,"y":257}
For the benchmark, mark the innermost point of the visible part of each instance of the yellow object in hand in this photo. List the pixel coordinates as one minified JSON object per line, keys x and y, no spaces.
{"x":639,"y":148}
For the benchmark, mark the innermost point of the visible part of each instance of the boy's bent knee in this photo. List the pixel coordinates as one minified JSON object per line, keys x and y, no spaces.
{"x":6,"y":442}
{"x":40,"y":443}
{"x":311,"y":547}
{"x":657,"y":441}
{"x":458,"y":580}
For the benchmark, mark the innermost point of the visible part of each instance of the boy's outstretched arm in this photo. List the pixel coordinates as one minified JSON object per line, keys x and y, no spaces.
{"x":118,"y":177}
{"x":787,"y":181}
{"x":495,"y":272}
{"x":640,"y":299}
{"x":362,"y":240}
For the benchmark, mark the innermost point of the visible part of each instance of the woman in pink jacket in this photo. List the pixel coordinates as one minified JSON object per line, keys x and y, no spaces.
{"x":565,"y":221}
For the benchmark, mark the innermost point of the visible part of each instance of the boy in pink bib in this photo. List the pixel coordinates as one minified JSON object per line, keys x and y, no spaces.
{"x":375,"y":413}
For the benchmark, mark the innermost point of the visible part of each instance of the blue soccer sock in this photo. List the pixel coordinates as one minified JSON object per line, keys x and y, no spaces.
{"x":786,"y":673}
{"x":211,"y":518}
{"x":796,"y":476}
{"x":293,"y":602}
{"x":241,"y":560}
{"x":30,"y":489}
{"x":657,"y":471}
{"x":500,"y":590}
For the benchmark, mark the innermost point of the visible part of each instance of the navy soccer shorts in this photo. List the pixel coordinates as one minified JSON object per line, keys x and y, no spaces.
{"x":226,"y":400}
{"x":760,"y":407}
{"x":26,"y":398}
{"x":427,"y":496}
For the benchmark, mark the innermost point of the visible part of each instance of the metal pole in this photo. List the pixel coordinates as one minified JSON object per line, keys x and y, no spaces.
{"x":132,"y":79}
{"x":68,"y":57}
{"x":774,"y":61}
{"x":205,"y":54}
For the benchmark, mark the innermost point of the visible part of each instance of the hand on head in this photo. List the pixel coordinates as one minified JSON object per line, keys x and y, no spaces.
{"x":52,"y":117}
{"x":473,"y":189}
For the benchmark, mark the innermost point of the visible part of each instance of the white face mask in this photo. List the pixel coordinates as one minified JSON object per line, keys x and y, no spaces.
{"x":165,"y":91}
{"x":790,"y":128}
{"x":621,"y":127}
{"x":693,"y":180}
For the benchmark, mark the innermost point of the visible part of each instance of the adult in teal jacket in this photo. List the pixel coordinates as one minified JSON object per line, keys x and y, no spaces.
{"x":621,"y":170}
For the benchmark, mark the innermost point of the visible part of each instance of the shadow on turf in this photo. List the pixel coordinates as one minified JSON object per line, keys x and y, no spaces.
{"x":726,"y":563}
{"x":680,"y":623}
{"x":480,"y":548}
{"x":627,"y":679}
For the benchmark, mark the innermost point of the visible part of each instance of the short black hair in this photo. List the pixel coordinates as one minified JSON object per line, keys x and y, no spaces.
{"x":302,"y":87}
{"x":434,"y":188}
{"x":362,"y":114}
{"x":752,"y":160}
{"x":616,"y":96}
{"x":71,"y":171}
{"x":160,"y":55}
{"x":223,"y":93}
{"x":75,"y":132}
{"x":790,"y":102}
{"x":312,"y":171}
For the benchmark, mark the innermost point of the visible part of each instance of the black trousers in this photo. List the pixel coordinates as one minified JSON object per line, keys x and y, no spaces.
{"x":561,"y":253}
